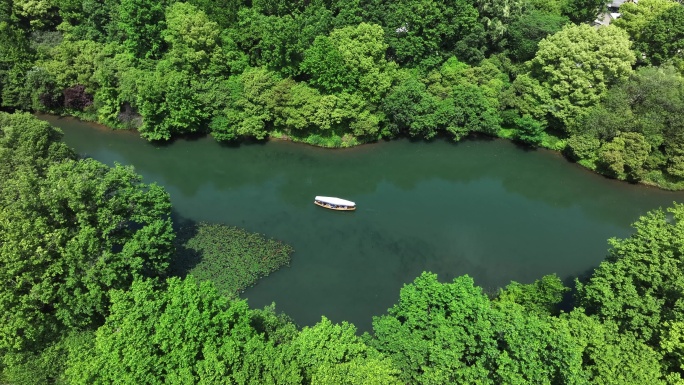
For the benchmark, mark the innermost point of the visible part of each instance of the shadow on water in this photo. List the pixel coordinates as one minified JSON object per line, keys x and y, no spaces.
{"x":524,"y":146}
{"x":235,"y":144}
{"x":569,"y":301}
{"x":185,"y":137}
{"x":184,"y":259}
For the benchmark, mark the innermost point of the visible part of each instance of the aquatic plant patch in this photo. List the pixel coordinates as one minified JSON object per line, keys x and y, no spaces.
{"x":232,"y":258}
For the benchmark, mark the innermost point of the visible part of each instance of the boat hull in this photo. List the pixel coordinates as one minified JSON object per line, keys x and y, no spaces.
{"x":334,"y":207}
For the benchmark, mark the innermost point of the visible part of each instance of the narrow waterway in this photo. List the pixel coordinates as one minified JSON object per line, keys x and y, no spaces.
{"x":485,"y":208}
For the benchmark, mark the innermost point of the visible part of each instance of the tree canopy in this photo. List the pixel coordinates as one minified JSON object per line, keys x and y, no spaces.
{"x":70,"y":230}
{"x":578,"y":64}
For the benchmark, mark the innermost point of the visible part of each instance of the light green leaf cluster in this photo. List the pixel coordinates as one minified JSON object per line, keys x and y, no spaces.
{"x":578,"y":64}
{"x":640,"y":286}
{"x":611,"y":357}
{"x":351,"y":59}
{"x":69,"y":232}
{"x":170,"y":103}
{"x":187,"y":333}
{"x":451,"y":333}
{"x":635,"y":16}
{"x":541,"y":297}
{"x":72,"y":63}
{"x":33,"y":10}
{"x":625,"y":155}
{"x":193,"y":38}
{"x":246,"y":111}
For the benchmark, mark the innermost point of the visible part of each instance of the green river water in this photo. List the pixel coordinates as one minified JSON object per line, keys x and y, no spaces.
{"x":485,"y":208}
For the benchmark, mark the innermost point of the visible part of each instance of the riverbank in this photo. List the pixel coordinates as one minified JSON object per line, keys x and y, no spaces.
{"x":548,"y":141}
{"x":480,"y":207}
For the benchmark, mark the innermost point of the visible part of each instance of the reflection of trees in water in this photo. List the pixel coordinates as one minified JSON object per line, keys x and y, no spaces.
{"x":303,"y":171}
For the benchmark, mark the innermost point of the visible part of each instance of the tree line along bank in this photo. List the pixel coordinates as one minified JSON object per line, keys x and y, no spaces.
{"x":338,"y":73}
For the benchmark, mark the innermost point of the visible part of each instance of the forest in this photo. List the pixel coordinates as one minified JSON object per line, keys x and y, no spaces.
{"x":94,"y":292}
{"x":91,"y":291}
{"x":339,"y":73}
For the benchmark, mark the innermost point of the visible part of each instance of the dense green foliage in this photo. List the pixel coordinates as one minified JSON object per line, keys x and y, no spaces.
{"x":188,"y":333}
{"x":83,"y":246}
{"x":232,"y":258}
{"x":636,"y":133}
{"x":452,"y":333}
{"x":70,"y":231}
{"x":640,"y":286}
{"x":333,"y":73}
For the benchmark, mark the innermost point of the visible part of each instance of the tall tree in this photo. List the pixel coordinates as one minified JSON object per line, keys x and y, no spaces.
{"x":624,"y":156}
{"x":583,"y":11}
{"x":15,"y":57}
{"x":192,"y":38}
{"x":451,"y":333}
{"x":635,"y":16}
{"x":89,"y":19}
{"x":578,"y":64}
{"x":640,"y":285}
{"x":609,"y":356}
{"x":27,"y":143}
{"x":246,"y":109}
{"x":527,"y":31}
{"x":541,"y":297}
{"x":141,"y":22}
{"x":69,"y":234}
{"x":356,"y":63}
{"x":425,"y":32}
{"x":662,"y":38}
{"x":186,"y":333}
{"x":171,"y":103}
{"x":409,"y":107}
{"x":497,"y":16}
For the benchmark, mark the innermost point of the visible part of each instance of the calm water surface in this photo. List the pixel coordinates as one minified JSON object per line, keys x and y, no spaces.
{"x":483,"y":208}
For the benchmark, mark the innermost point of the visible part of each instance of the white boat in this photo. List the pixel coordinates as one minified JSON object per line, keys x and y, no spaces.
{"x":333,"y":203}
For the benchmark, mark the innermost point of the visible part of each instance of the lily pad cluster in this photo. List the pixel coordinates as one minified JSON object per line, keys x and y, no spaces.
{"x":232,"y":258}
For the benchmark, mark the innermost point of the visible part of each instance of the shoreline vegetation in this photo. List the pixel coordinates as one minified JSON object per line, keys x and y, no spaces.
{"x":85,"y":248}
{"x":85,"y":251}
{"x":334,"y":74}
{"x":546,"y":141}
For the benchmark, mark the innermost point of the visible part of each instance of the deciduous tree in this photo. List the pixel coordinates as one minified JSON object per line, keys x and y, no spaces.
{"x":525,"y":32}
{"x":141,"y":22}
{"x":351,"y":59}
{"x":635,"y":16}
{"x":409,"y":107}
{"x":578,"y":64}
{"x":69,"y":232}
{"x":639,"y":285}
{"x":192,"y":38}
{"x":423,"y":33}
{"x":246,"y":112}
{"x":662,"y":38}
{"x":625,"y":155}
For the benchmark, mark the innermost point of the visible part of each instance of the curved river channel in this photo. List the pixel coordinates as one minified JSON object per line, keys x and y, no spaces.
{"x":485,"y":208}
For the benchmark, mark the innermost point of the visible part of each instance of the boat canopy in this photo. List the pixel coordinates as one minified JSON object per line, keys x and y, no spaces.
{"x":335,"y":201}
